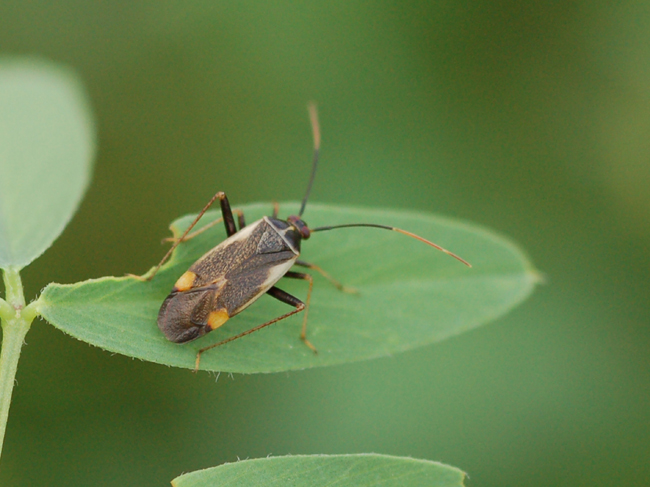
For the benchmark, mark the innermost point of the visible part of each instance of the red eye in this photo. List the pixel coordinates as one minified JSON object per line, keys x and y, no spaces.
{"x":300,"y":225}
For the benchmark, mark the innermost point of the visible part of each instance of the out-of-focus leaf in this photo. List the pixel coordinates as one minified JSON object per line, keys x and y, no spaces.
{"x":47,"y":144}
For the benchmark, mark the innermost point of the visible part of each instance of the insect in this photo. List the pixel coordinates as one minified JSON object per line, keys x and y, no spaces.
{"x":245,"y":266}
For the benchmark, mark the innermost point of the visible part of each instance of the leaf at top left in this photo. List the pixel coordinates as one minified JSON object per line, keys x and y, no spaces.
{"x":47,"y":144}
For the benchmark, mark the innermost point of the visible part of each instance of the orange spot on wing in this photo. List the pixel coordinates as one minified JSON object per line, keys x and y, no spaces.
{"x":185,"y":282}
{"x":217,"y":318}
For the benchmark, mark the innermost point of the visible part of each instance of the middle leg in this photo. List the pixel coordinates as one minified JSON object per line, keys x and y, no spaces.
{"x":335,"y":283}
{"x":285,"y":297}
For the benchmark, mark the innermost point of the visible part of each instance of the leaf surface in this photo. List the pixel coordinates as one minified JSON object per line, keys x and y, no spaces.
{"x":361,"y":470}
{"x":46,"y":149}
{"x":410,"y":295}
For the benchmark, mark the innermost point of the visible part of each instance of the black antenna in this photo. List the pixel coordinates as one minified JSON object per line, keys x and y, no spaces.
{"x":385,"y":227}
{"x":313,"y":117}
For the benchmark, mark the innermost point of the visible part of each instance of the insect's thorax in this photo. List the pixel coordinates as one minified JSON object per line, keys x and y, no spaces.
{"x":287,"y":231}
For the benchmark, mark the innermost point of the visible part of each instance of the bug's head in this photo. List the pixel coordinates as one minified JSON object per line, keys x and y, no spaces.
{"x":299,"y":226}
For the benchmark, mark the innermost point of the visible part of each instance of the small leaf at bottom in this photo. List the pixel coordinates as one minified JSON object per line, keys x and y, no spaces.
{"x":361,"y":470}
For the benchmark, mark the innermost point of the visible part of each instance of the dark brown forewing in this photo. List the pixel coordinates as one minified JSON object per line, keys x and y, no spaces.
{"x":242,"y":291}
{"x":175,"y":315}
{"x":255,"y":248}
{"x":204,"y":306}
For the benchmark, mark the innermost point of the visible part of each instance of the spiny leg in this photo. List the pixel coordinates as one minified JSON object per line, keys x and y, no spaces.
{"x":227,"y":217}
{"x":276,"y":209}
{"x":276,"y":293}
{"x":335,"y":283}
{"x":289,"y":299}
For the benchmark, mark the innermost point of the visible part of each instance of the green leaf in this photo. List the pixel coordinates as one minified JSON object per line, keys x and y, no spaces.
{"x":409,"y":295}
{"x":46,"y":148}
{"x":362,"y":470}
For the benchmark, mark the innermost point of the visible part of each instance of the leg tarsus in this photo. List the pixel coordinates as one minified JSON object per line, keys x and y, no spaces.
{"x":143,"y":278}
{"x":308,"y":343}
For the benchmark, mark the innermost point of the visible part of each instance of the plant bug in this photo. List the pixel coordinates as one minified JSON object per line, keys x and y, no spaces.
{"x":246,"y":265}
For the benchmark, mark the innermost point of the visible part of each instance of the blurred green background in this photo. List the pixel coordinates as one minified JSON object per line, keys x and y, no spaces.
{"x":532,"y":119}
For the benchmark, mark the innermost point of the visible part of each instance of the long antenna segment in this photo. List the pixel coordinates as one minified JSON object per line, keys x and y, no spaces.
{"x":315,"y":127}
{"x":386,"y":227}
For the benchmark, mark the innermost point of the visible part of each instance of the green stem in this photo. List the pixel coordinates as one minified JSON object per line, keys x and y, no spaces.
{"x":16,"y":320}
